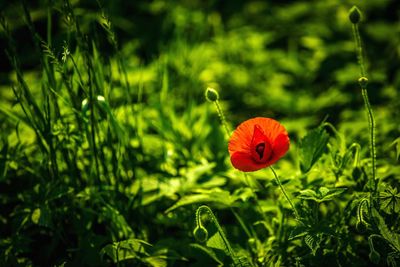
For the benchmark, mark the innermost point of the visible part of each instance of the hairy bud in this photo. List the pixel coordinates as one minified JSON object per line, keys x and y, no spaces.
{"x":211,"y":94}
{"x":354,"y":15}
{"x":200,"y":233}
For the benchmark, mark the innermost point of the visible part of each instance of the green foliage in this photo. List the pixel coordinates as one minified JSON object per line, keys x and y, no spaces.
{"x":311,"y":147}
{"x":321,"y":195}
{"x":109,"y":152}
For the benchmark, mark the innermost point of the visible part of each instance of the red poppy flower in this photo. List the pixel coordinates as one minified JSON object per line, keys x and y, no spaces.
{"x":257,"y":143}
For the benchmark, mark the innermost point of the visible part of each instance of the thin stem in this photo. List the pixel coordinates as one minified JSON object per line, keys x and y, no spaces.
{"x":360,"y":57}
{"x":371,"y":120}
{"x":222,"y":117}
{"x":206,"y":209}
{"x":285,"y":194}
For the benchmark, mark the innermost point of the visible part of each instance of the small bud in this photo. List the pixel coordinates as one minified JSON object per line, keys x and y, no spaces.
{"x":354,"y":15}
{"x":200,"y":233}
{"x":211,"y":94}
{"x":374,"y":256}
{"x":363,"y":81}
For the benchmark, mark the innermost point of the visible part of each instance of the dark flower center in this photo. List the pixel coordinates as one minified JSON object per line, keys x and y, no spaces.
{"x":260,"y":150}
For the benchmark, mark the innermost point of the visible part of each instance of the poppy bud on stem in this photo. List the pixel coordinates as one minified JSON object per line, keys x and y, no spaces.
{"x":354,"y":17}
{"x":200,"y":232}
{"x":212,"y":95}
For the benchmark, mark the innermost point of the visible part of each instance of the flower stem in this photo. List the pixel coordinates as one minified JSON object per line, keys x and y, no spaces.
{"x":285,"y":194}
{"x":209,"y":212}
{"x":222,"y":118}
{"x":363,"y":81}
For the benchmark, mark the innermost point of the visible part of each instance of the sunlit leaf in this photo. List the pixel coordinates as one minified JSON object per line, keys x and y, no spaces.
{"x":321,"y":195}
{"x":36,"y":216}
{"x":126,"y":249}
{"x":396,"y":144}
{"x":390,"y":200}
{"x":311,"y":147}
{"x":217,"y":196}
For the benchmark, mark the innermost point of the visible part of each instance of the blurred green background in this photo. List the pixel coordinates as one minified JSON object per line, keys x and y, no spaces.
{"x":121,"y":163}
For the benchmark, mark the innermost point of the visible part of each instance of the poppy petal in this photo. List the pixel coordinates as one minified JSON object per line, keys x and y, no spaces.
{"x":279,"y":149}
{"x":244,"y":162}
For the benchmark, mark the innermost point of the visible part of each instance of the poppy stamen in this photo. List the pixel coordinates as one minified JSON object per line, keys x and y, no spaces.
{"x":260,"y":150}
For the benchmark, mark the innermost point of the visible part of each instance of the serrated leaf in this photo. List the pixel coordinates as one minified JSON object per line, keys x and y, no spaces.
{"x":323,"y":194}
{"x":331,"y":193}
{"x":390,"y":200}
{"x":312,"y":242}
{"x":311,"y":148}
{"x":298,"y":231}
{"x":308,"y":194}
{"x":391,"y":237}
{"x":323,"y":191}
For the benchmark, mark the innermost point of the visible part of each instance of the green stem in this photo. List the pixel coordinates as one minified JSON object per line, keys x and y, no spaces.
{"x":285,"y":194}
{"x":371,"y":120}
{"x":222,"y":117}
{"x":206,"y":209}
{"x":360,"y":58}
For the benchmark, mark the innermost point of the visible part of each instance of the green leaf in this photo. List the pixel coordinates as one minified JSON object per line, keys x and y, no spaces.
{"x":36,"y":216}
{"x":42,"y":216}
{"x":390,"y":200}
{"x":311,"y":148}
{"x":396,"y":143}
{"x":209,"y":252}
{"x":218,"y":196}
{"x":323,"y":194}
{"x":328,"y":194}
{"x":126,"y":249}
{"x":117,"y":221}
{"x":298,"y":231}
{"x":312,"y":242}
{"x":217,"y":242}
{"x":392,"y":237}
{"x":308,"y":194}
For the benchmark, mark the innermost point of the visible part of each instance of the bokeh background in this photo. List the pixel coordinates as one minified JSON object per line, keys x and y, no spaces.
{"x":158,"y":138}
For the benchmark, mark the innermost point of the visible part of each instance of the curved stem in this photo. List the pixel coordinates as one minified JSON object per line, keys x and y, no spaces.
{"x":206,"y":209}
{"x":285,"y":194}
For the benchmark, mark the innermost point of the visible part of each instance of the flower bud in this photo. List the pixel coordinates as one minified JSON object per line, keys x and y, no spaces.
{"x":200,"y":233}
{"x":374,"y":256}
{"x":354,"y":15}
{"x":211,"y":94}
